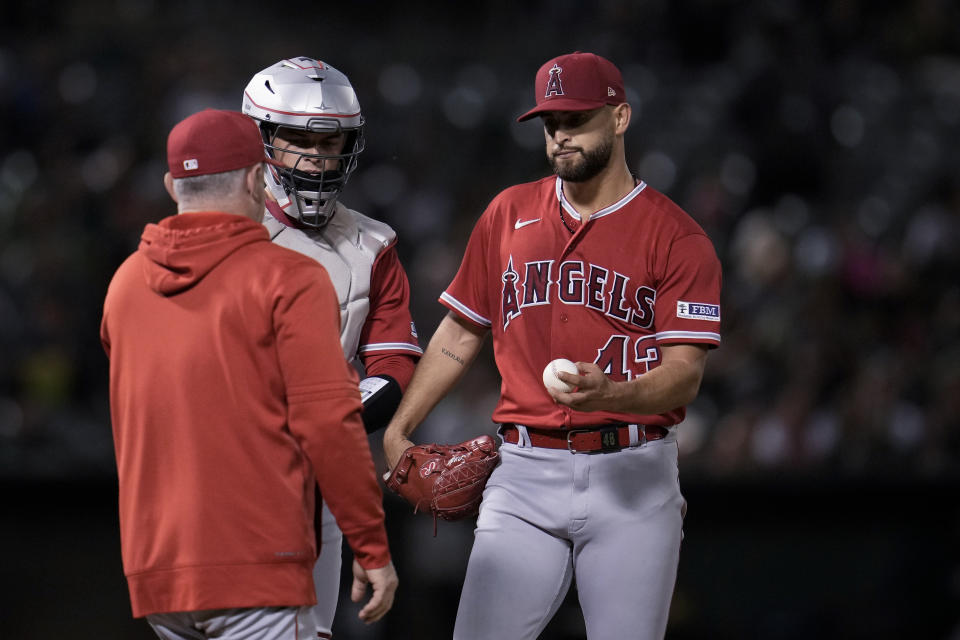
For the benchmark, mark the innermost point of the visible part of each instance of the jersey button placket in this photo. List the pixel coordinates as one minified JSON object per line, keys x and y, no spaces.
{"x":560,"y":342}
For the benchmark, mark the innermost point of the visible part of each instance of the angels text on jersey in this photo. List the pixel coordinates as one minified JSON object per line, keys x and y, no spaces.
{"x":575,"y":282}
{"x":603,"y":290}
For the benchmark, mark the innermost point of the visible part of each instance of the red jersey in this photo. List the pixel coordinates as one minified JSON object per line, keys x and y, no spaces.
{"x":638,"y":275}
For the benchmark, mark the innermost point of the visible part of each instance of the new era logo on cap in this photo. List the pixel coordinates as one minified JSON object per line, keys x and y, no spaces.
{"x":576,"y":82}
{"x":191,"y":164}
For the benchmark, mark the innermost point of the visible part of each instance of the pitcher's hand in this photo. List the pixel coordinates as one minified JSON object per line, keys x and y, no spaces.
{"x":393,"y":447}
{"x":593,"y":390}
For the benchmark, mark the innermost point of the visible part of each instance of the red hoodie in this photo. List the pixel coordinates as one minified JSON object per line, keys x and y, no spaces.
{"x":230,"y":397}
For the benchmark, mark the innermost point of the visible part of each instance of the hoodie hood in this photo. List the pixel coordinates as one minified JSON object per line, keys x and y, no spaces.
{"x":181,"y":250}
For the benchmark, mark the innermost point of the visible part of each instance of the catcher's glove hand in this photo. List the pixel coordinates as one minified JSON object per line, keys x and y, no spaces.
{"x":447,"y":480}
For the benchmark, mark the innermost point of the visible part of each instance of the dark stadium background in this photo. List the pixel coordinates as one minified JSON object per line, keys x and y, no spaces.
{"x":818,"y":143}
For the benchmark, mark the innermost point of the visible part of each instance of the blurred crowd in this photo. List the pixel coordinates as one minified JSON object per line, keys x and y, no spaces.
{"x":818,"y":143}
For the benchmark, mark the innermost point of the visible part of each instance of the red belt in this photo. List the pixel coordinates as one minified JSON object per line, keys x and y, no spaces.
{"x":600,"y":439}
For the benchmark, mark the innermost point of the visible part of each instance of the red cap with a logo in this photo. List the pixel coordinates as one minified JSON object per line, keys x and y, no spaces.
{"x":576,"y":82}
{"x":215,"y":141}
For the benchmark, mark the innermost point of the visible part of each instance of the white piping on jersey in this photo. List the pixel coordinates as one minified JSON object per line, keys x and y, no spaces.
{"x":606,"y":210}
{"x":693,"y":335}
{"x":465,"y":310}
{"x":389,"y":346}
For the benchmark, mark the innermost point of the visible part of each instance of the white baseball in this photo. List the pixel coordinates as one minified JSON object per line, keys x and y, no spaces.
{"x":550,"y":379}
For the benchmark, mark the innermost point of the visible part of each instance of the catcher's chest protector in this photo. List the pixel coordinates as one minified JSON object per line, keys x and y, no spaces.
{"x":347,"y":247}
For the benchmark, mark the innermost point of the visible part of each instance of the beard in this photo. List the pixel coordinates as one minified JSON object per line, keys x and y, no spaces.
{"x":587,"y":166}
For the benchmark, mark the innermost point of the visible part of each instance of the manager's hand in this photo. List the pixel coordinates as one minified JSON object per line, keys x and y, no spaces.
{"x":383,"y":582}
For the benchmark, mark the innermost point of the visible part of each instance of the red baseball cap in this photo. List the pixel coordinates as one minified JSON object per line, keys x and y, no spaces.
{"x":576,"y":82}
{"x":215,"y":141}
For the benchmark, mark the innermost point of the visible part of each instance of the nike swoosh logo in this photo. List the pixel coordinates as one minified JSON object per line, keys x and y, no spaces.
{"x":522,"y":223}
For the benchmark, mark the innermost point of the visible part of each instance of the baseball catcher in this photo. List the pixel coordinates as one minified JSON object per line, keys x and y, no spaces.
{"x":447,"y":480}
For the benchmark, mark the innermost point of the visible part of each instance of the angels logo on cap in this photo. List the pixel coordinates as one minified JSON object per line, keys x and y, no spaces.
{"x":554,"y":87}
{"x":576,"y":82}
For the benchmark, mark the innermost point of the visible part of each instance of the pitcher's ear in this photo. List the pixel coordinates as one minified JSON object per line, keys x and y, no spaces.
{"x":621,"y":114}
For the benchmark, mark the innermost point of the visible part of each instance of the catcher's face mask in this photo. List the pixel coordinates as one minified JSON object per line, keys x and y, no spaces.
{"x":303,"y":96}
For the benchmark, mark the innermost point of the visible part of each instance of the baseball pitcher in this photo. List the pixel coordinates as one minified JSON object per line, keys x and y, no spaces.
{"x":594,"y":266}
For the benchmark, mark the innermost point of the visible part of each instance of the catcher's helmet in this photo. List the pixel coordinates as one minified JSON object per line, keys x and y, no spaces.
{"x":307,"y":95}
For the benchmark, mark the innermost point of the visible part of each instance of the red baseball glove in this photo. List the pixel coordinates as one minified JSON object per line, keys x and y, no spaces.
{"x":447,"y":480}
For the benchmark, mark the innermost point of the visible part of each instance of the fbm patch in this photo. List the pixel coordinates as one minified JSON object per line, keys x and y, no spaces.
{"x":698,"y":311}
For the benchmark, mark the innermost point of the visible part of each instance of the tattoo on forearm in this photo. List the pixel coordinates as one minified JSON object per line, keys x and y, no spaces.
{"x":452,"y":355}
